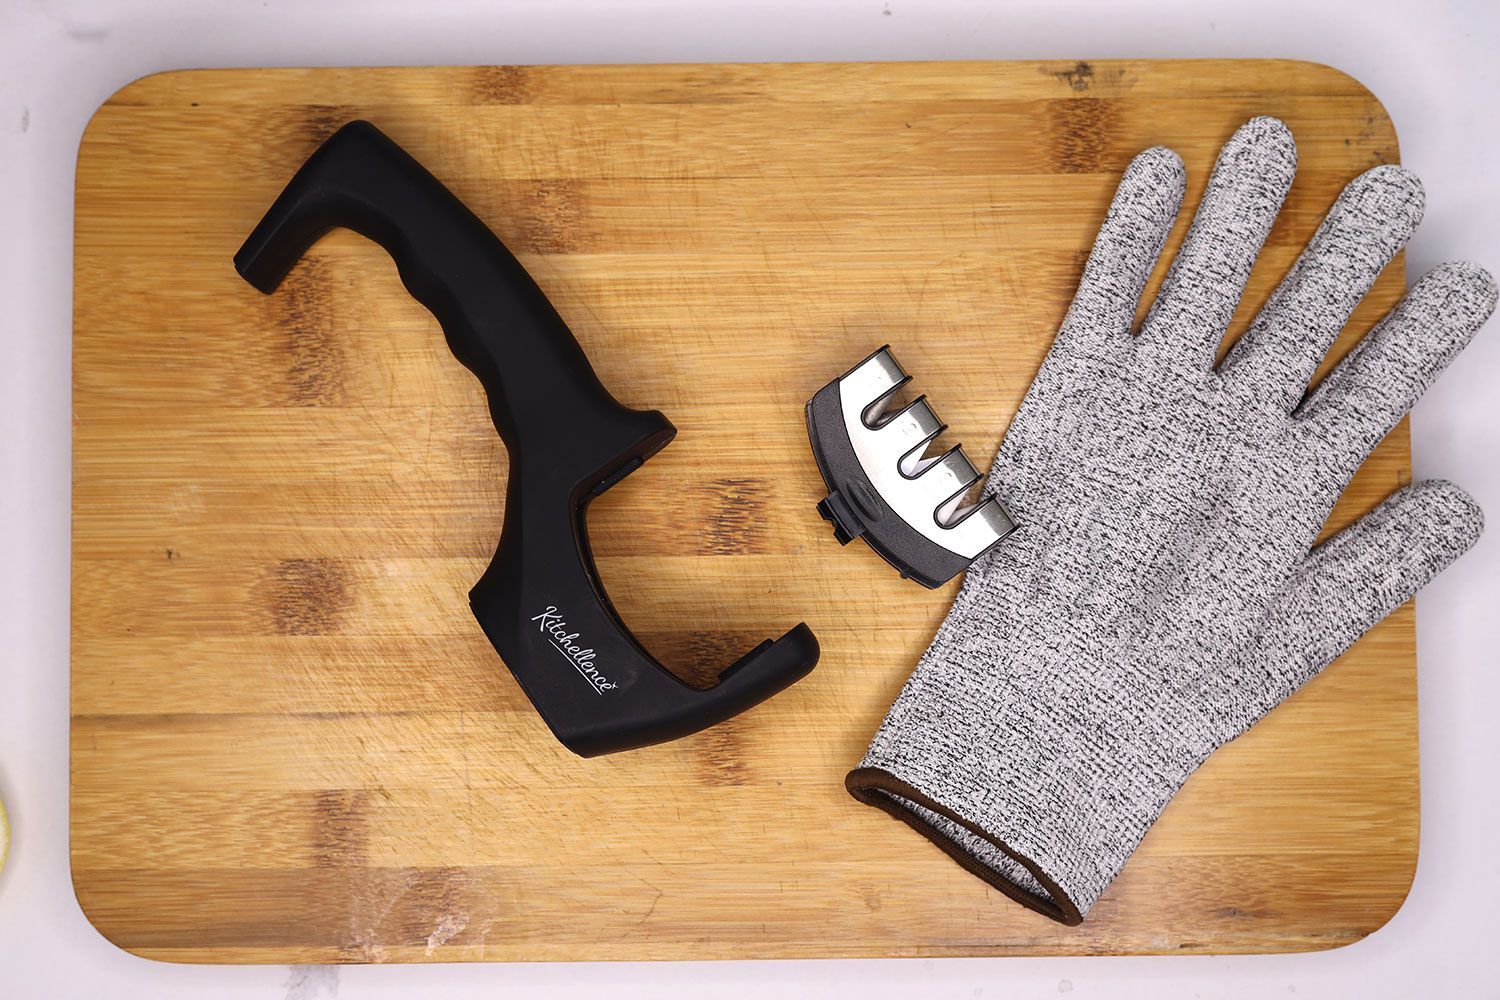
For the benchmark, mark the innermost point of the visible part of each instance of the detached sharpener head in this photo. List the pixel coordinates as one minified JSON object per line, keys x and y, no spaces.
{"x":913,"y":508}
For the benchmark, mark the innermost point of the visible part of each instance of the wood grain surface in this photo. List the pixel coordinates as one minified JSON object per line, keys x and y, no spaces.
{"x":290,"y":740}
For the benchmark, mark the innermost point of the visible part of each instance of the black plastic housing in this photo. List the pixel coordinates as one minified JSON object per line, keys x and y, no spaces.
{"x":855,"y":508}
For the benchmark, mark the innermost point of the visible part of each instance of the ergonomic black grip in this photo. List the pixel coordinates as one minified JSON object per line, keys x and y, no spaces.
{"x":496,"y":320}
{"x":540,"y":601}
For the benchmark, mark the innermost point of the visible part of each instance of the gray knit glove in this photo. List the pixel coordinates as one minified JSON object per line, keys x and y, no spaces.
{"x":1163,"y":592}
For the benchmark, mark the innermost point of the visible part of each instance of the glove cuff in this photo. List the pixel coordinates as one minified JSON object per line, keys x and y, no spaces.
{"x":1042,"y":805}
{"x":977,"y":850}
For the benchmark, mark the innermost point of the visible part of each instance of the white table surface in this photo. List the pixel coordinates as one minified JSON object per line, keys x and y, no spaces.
{"x":1435,"y":66}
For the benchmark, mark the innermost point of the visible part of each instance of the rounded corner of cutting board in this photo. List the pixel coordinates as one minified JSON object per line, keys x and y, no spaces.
{"x":125,"y":93}
{"x":1400,"y":888}
{"x":1378,"y":920}
{"x":1346,"y":84}
{"x":1398,"y":902}
{"x":101,"y":919}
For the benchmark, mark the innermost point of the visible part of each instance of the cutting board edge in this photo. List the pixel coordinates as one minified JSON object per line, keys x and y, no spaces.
{"x":175,"y":954}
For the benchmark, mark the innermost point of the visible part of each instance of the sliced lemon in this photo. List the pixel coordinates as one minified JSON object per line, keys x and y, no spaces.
{"x":4,"y":836}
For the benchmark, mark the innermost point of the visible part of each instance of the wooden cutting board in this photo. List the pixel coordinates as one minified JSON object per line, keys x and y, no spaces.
{"x":290,"y":740}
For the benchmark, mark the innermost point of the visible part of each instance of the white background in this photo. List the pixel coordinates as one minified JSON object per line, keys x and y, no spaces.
{"x":1432,"y":63}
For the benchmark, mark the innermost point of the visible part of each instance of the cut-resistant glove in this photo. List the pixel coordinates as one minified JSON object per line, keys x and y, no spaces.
{"x":1164,"y":591}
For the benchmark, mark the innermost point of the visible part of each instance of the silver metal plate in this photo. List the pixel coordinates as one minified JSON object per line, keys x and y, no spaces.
{"x":925,"y":492}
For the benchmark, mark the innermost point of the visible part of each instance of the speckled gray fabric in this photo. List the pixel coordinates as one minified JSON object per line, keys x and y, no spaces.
{"x":1163,"y":592}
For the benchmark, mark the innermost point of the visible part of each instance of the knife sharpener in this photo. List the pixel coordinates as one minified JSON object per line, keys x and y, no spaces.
{"x":912,"y":507}
{"x":540,"y":602}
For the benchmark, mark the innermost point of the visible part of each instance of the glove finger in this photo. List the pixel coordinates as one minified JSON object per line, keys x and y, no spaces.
{"x":1351,"y":582}
{"x":1198,"y":298}
{"x":1368,"y":225}
{"x":1369,"y":391}
{"x":1128,"y":245}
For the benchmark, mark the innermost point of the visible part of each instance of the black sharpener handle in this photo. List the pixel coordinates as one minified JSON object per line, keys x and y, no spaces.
{"x":540,"y":601}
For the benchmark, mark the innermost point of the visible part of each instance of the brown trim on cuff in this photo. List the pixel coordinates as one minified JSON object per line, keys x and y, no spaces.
{"x":883,"y":790}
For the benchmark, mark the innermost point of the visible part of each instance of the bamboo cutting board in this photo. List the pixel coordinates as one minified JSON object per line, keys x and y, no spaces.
{"x":290,"y":740}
